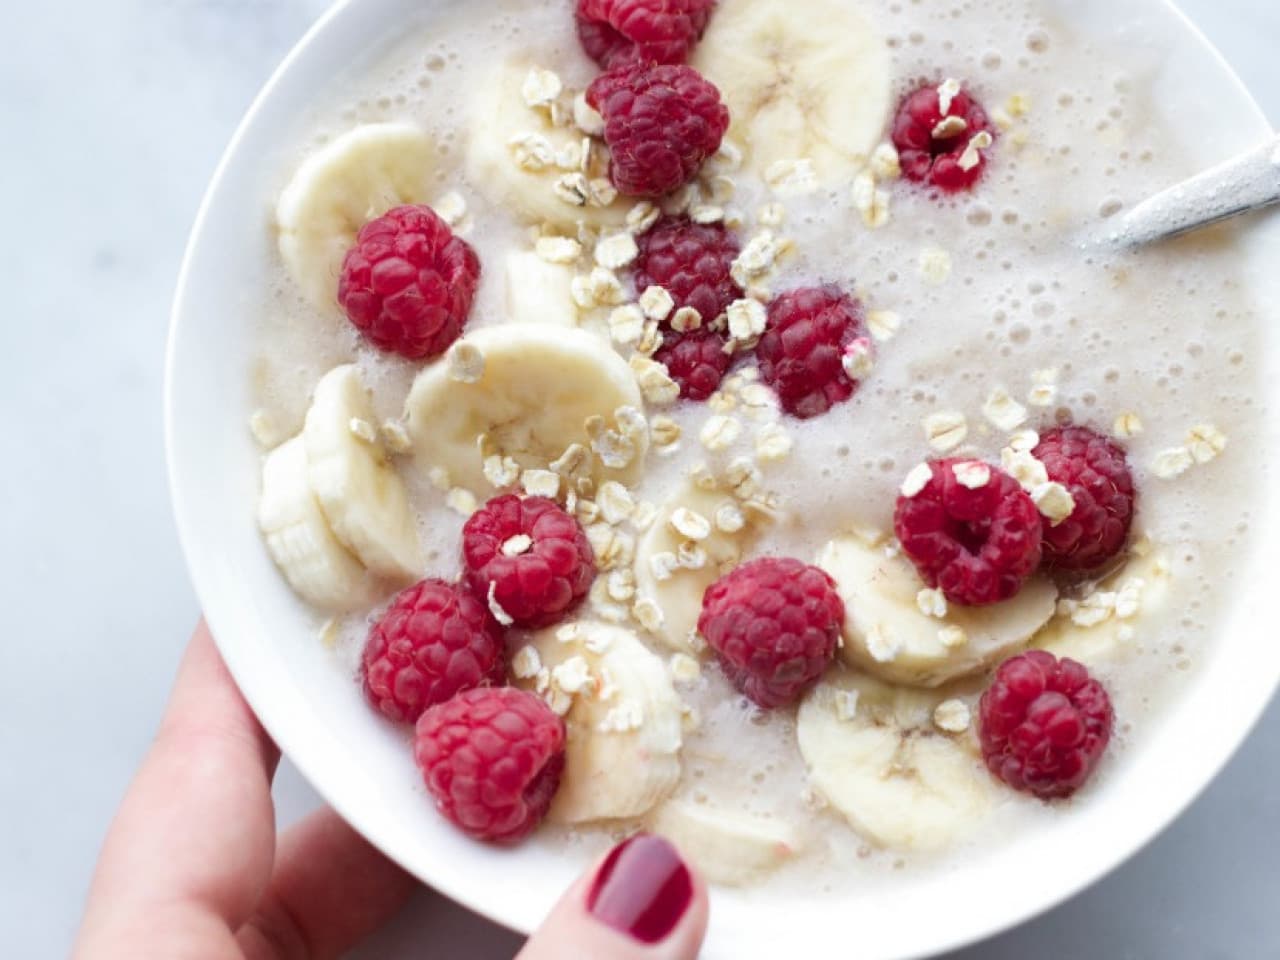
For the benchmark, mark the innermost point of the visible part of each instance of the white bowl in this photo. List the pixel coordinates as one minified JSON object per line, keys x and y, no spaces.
{"x":362,"y":767}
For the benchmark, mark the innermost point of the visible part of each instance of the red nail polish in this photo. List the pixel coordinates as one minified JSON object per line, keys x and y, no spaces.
{"x":643,"y":888}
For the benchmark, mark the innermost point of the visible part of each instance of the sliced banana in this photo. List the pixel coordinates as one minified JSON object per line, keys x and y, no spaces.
{"x":624,"y":735}
{"x":793,"y":93}
{"x":874,"y":754}
{"x":887,"y":634}
{"x":342,"y":186}
{"x":677,"y":587}
{"x":318,"y":567}
{"x":362,"y":496}
{"x":728,"y":847}
{"x":514,"y":154}
{"x":538,"y":291}
{"x":539,"y":387}
{"x":1106,"y":625}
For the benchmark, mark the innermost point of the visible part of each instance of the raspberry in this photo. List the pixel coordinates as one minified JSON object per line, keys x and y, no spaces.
{"x":408,"y":283}
{"x":492,"y":760}
{"x":692,"y":262}
{"x":804,"y":345}
{"x":977,"y":545}
{"x":936,"y":159}
{"x":774,"y":623}
{"x":1094,"y":470}
{"x":617,"y":32}
{"x":1043,"y":724}
{"x":660,"y":122}
{"x":529,"y":556}
{"x":432,"y":641}
{"x":696,"y":360}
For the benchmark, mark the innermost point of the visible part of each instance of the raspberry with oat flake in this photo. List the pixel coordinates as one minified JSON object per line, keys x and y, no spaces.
{"x":774,"y":624}
{"x":528,"y":557}
{"x":692,"y":262}
{"x":617,"y":32}
{"x":1043,"y":724}
{"x":803,"y":349}
{"x":434,"y":640}
{"x":1096,"y":473}
{"x":661,"y":123}
{"x":492,"y":759}
{"x":970,"y":529}
{"x":940,"y":133}
{"x":408,"y":283}
{"x":695,"y":360}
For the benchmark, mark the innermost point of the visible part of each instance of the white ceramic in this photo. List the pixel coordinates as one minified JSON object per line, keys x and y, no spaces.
{"x":362,"y":766}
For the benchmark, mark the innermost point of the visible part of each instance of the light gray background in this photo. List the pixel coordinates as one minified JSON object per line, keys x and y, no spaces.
{"x":113,"y":114}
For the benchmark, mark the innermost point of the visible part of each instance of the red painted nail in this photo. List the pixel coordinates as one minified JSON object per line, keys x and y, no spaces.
{"x":643,"y":888}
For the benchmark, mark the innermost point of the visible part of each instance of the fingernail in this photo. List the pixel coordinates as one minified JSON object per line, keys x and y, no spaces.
{"x":643,"y":888}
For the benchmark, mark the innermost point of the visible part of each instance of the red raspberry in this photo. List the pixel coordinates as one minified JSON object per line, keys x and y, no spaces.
{"x":926,"y":157}
{"x":691,"y":261}
{"x":660,"y":122}
{"x":977,"y":545}
{"x":1043,"y":724}
{"x":1097,"y":475}
{"x":434,"y":640}
{"x":615,"y":32}
{"x":802,"y":351}
{"x":492,"y":759}
{"x":532,"y":556}
{"x":408,"y":283}
{"x":696,"y":360}
{"x":774,"y":623}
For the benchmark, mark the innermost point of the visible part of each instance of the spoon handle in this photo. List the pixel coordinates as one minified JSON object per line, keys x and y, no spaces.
{"x":1247,"y":182}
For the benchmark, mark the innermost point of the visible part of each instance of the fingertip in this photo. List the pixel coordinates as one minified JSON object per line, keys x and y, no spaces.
{"x":639,"y":900}
{"x":699,"y":915}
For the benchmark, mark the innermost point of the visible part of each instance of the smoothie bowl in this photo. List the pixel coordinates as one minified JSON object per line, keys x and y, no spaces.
{"x":585,"y":420}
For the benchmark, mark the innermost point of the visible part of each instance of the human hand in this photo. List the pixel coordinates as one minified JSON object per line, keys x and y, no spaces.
{"x":192,"y":868}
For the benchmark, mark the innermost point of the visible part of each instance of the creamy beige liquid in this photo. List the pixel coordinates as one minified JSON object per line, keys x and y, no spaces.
{"x":1166,"y":333}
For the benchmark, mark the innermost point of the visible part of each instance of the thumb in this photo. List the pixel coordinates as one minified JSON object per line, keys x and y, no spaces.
{"x":640,"y":902}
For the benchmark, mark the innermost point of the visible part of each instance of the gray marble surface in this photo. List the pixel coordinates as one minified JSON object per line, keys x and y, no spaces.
{"x":114,"y":113}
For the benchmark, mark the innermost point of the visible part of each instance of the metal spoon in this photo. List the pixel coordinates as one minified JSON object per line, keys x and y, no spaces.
{"x":1248,"y":182}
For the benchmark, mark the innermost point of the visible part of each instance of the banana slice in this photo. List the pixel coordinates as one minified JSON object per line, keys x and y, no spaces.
{"x":624,"y":733}
{"x":362,"y":496}
{"x":513,"y":153}
{"x":887,"y":634}
{"x":539,"y":386}
{"x":729,"y":847}
{"x":339,"y":188}
{"x":538,"y":291}
{"x":678,"y":589}
{"x":318,"y":567}
{"x":1105,"y":625}
{"x":814,"y":86}
{"x":874,"y":754}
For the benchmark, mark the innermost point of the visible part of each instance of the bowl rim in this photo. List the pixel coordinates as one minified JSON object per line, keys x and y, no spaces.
{"x":308,"y":766}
